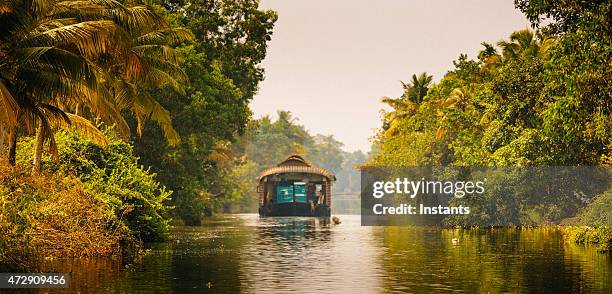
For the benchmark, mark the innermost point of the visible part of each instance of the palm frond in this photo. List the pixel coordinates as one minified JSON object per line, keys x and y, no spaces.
{"x":157,"y":78}
{"x":85,"y":127}
{"x":80,"y":34}
{"x":163,"y":51}
{"x":10,"y":108}
{"x":170,"y":36}
{"x":5,"y":8}
{"x":145,"y":108}
{"x":221,"y":153}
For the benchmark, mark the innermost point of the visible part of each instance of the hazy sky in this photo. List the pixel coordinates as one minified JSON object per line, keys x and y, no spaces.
{"x":330,"y":61}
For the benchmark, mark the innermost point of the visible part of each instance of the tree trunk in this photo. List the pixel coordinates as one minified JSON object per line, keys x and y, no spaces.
{"x":12,"y":151}
{"x":38,"y":149}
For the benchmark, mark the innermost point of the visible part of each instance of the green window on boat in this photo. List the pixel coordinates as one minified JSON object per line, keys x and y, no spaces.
{"x":299,"y":189}
{"x":284,"y":194}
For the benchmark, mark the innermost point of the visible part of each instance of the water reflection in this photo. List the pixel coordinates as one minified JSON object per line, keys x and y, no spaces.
{"x":309,"y":255}
{"x":245,"y":253}
{"x":496,"y":260}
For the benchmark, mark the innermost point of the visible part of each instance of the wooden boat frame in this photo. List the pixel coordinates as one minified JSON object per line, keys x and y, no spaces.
{"x":296,"y":170}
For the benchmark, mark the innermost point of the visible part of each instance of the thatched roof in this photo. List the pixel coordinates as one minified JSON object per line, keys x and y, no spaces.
{"x":296,"y":164}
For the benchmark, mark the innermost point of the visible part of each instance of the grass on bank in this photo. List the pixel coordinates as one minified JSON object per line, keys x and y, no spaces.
{"x":93,"y":201}
{"x":595,"y":222}
{"x":600,"y":236}
{"x":52,"y":216}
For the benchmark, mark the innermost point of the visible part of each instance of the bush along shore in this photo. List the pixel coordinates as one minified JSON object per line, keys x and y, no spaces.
{"x":90,"y":200}
{"x":601,"y":237}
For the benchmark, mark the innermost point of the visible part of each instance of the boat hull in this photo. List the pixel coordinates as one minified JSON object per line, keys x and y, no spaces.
{"x":295,"y":209}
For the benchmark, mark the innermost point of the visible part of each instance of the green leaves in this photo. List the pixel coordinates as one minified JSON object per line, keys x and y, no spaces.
{"x":95,"y":57}
{"x":533,"y":100}
{"x":112,"y":175}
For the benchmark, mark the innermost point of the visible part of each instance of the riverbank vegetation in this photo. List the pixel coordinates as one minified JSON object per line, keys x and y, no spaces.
{"x":601,"y":237}
{"x":117,"y":116}
{"x":92,"y":201}
{"x":79,"y":83}
{"x":539,"y":98}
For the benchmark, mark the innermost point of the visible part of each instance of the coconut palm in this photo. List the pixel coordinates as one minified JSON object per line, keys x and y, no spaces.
{"x":408,"y":104}
{"x":489,"y":58}
{"x":41,"y":62}
{"x":402,"y":109}
{"x":52,"y":57}
{"x":522,"y":44}
{"x":459,"y":98}
{"x":525,"y":43}
{"x":417,"y":88}
{"x":148,"y":62}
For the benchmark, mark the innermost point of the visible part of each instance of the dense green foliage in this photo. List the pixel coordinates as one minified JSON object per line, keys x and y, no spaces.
{"x":601,"y":236}
{"x":540,"y":98}
{"x":67,"y":64}
{"x":222,"y":65}
{"x":190,"y":66}
{"x":112,"y":175}
{"x":89,"y":202}
{"x":51,"y":215}
{"x":597,"y":213}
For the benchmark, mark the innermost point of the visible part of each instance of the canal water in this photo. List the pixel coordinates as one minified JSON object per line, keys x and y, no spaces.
{"x":246,"y":253}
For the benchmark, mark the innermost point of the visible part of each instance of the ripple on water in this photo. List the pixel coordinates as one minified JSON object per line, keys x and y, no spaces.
{"x":246,"y":253}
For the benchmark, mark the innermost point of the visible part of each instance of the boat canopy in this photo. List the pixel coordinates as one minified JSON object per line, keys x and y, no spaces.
{"x":296,"y":164}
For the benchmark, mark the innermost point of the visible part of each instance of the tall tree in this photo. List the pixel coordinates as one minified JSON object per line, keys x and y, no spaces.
{"x":223,"y":67}
{"x":417,"y":88}
{"x":42,"y":63}
{"x":524,"y":43}
{"x":407,"y":104}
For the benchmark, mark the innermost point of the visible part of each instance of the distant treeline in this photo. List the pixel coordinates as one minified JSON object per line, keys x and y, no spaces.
{"x":266,"y":143}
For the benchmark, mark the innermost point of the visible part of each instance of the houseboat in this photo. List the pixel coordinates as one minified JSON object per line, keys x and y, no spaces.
{"x":295,"y":187}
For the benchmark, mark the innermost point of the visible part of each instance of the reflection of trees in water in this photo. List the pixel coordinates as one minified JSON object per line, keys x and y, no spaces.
{"x":252,"y":254}
{"x":87,"y":274}
{"x":297,"y":229}
{"x":311,"y":255}
{"x":208,"y":253}
{"x":595,"y":267}
{"x":490,"y":260}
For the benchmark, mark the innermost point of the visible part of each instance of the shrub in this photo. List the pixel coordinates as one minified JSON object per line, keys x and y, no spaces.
{"x":111,"y":175}
{"x":601,"y":236}
{"x":598,"y":212}
{"x":53,"y":215}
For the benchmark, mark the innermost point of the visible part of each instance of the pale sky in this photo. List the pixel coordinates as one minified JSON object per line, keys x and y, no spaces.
{"x":330,"y":61}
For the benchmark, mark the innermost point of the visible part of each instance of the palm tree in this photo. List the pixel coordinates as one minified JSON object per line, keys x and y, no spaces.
{"x":51,"y":59}
{"x":522,"y":44}
{"x":150,"y":62}
{"x":408,"y":104}
{"x":417,"y":88}
{"x":525,"y":43}
{"x":41,"y":63}
{"x":489,"y":58}
{"x":402,"y":109}
{"x":459,"y":98}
